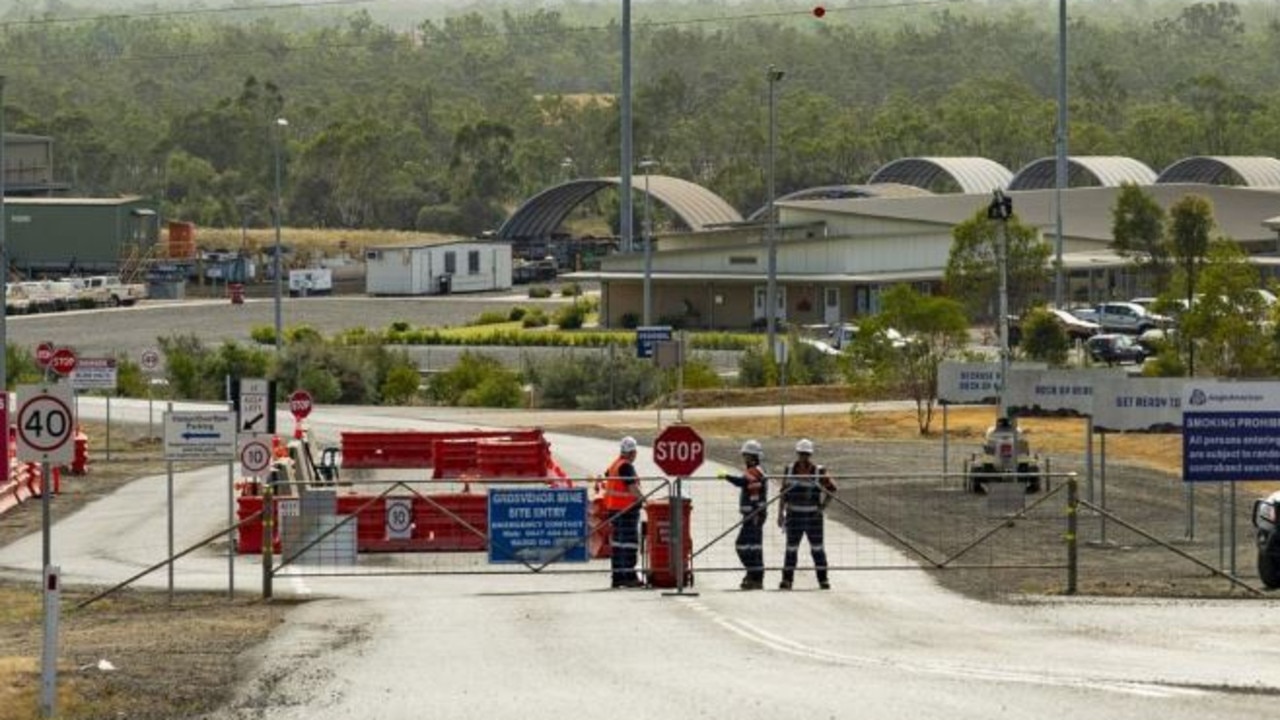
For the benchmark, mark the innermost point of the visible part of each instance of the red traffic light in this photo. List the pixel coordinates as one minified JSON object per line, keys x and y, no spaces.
{"x":819,"y":11}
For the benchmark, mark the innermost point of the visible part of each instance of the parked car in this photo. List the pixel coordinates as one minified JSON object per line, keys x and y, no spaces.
{"x":16,"y":300}
{"x":1266,"y":519}
{"x":1115,"y":348}
{"x":1125,"y":317}
{"x":1075,"y":328}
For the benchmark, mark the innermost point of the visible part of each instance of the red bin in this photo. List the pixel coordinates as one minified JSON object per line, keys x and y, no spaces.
{"x":662,"y":569}
{"x":236,"y":292}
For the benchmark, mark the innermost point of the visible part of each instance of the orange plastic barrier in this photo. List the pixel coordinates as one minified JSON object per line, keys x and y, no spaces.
{"x":512,"y":458}
{"x":80,"y":461}
{"x":598,"y":544}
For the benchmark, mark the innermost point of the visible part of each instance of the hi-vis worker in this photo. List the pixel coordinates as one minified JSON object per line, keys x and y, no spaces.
{"x":622,"y":499}
{"x":753,"y":497}
{"x":806,"y":490}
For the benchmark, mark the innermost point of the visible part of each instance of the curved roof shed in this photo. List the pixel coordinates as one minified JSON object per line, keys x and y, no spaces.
{"x":697,"y":207}
{"x":972,"y":175}
{"x":1084,"y":171}
{"x":1245,"y":170}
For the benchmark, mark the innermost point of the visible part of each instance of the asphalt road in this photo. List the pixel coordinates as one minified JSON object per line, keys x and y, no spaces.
{"x":879,"y":645}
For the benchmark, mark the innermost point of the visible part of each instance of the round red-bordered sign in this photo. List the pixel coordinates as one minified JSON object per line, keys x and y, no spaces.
{"x":45,"y":423}
{"x":255,"y":456}
{"x":44,"y":353}
{"x":63,"y":361}
{"x":300,"y":404}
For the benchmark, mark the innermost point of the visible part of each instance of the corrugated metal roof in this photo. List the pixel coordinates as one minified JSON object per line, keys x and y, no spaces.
{"x":695,"y":206}
{"x":841,"y":192}
{"x":1247,"y":170}
{"x":1084,"y":171}
{"x":970,"y":175}
{"x":72,"y":201}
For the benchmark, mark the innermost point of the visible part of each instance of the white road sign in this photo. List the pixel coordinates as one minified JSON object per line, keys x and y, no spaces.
{"x":95,"y":374}
{"x":255,"y":455}
{"x":200,"y":435}
{"x":150,"y":359}
{"x":46,"y":424}
{"x":254,"y":405}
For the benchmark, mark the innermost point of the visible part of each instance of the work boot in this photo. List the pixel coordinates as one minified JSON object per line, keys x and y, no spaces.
{"x":824,"y":585}
{"x":784,"y":585}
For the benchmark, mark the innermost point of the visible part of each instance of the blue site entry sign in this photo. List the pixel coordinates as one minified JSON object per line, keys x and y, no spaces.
{"x":537,"y":526}
{"x":648,"y":336}
{"x":1230,"y":431}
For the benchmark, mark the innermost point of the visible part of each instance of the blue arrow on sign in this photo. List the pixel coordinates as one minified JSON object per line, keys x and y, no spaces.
{"x":199,"y":435}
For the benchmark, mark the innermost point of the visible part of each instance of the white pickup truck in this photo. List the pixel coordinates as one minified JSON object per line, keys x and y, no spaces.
{"x":109,"y":290}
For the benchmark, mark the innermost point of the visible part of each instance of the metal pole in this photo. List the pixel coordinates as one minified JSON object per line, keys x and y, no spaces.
{"x":108,"y":429}
{"x":46,"y":517}
{"x":1059,"y":281}
{"x":1102,"y":485}
{"x":1073,"y":527}
{"x":281,"y":123}
{"x":1004,"y":313}
{"x":4,"y":251}
{"x":1233,"y":530}
{"x":648,"y":246}
{"x":169,"y":485}
{"x":625,"y":214}
{"x":771,"y":286}
{"x":946,"y":461}
{"x":680,"y":378}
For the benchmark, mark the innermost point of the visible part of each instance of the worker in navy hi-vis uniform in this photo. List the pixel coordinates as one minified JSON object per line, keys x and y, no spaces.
{"x":622,"y":500}
{"x":753,"y":497}
{"x":806,"y":490}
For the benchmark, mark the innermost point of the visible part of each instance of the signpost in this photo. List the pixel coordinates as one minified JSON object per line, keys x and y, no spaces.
{"x":95,"y":374}
{"x":649,"y":335}
{"x":199,"y":435}
{"x":679,"y":450}
{"x":300,"y":404}
{"x":63,"y":361}
{"x":255,"y":455}
{"x":536,"y":527}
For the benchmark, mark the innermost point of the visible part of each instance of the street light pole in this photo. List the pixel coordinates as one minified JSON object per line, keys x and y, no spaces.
{"x":774,"y":76}
{"x":1061,"y":176}
{"x":281,"y":123}
{"x":646,"y":165}
{"x":1001,"y":209}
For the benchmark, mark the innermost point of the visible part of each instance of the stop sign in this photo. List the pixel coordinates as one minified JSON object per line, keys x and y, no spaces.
{"x":678,"y":450}
{"x":44,"y":353}
{"x":63,"y":361}
{"x":300,"y":404}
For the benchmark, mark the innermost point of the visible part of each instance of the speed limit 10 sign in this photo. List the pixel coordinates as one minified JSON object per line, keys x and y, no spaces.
{"x":46,"y":424}
{"x":255,"y":454}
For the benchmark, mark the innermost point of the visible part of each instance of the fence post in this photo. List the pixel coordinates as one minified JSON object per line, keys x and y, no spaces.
{"x":268,"y":534}
{"x":1073,"y":517}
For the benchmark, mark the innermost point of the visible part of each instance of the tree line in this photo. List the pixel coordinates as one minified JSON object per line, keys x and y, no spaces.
{"x":448,"y":124}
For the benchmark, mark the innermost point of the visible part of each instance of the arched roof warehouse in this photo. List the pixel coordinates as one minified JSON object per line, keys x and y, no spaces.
{"x":1084,"y":171}
{"x":695,"y":206}
{"x":968,"y":175}
{"x":844,"y":192}
{"x":1245,"y":170}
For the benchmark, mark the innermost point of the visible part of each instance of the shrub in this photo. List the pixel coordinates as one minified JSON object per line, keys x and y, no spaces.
{"x":1044,"y":339}
{"x":399,"y":326}
{"x":263,"y":334}
{"x":570,"y":290}
{"x":491,"y":317}
{"x":517,"y":314}
{"x":539,"y":291}
{"x":535,"y":318}
{"x":476,"y":380}
{"x":570,"y":317}
{"x":629,"y":320}
{"x":592,"y":382}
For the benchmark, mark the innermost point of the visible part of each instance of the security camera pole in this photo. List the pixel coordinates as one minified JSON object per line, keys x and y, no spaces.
{"x":1001,"y":208}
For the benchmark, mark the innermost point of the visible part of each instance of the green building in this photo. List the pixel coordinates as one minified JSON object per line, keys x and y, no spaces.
{"x":67,"y":236}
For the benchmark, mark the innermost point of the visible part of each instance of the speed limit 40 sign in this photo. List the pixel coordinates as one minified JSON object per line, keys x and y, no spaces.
{"x":46,"y":424}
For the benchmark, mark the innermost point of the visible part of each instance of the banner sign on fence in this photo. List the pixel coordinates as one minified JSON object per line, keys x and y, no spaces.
{"x":94,"y":374}
{"x":974,"y":383}
{"x":648,"y":337}
{"x":1138,"y":404}
{"x":537,"y":526}
{"x":1230,"y":431}
{"x":1054,"y":392}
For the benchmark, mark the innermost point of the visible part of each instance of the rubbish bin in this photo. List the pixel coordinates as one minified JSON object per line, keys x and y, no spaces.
{"x":662,"y":566}
{"x":446,"y":283}
{"x":236,"y":292}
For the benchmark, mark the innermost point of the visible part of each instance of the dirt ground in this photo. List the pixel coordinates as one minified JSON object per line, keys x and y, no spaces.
{"x":181,"y":659}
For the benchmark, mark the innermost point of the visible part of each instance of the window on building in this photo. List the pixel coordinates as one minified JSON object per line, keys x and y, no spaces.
{"x":451,"y":262}
{"x":473,"y":262}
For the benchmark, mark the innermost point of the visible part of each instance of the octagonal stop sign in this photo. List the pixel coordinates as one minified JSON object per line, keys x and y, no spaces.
{"x":678,"y":450}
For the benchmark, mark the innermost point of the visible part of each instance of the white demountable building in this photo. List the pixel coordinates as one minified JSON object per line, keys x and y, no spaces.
{"x":438,"y":268}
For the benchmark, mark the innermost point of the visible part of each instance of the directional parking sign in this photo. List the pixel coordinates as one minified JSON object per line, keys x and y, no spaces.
{"x":200,"y":435}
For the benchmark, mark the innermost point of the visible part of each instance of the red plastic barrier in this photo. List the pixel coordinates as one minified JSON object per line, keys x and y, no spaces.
{"x":659,"y":541}
{"x":412,"y":448}
{"x":436,"y":523}
{"x":454,"y":458}
{"x":512,"y":458}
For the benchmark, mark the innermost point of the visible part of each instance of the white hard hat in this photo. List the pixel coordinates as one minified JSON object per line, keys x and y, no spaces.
{"x":628,"y":444}
{"x":805,"y":445}
{"x":751,"y":447}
